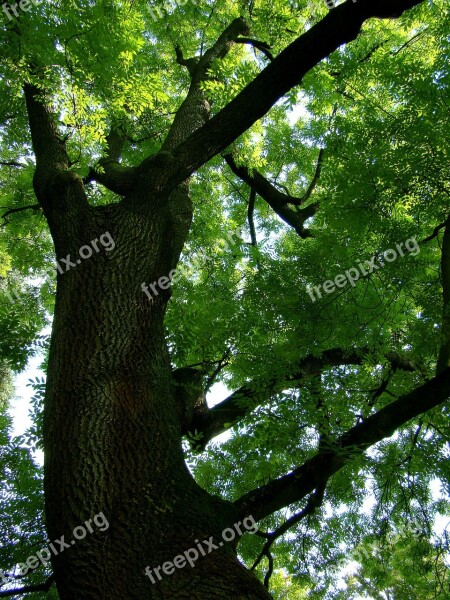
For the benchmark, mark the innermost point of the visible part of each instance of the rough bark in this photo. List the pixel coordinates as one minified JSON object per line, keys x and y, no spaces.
{"x":113,"y":425}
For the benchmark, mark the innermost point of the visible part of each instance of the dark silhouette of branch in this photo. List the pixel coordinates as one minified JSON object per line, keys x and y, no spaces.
{"x":444,"y":351}
{"x":264,"y":47}
{"x":314,"y":501}
{"x":435,"y":233}
{"x":316,"y":471}
{"x":11,"y":163}
{"x":316,"y":177}
{"x":12,"y":211}
{"x":259,"y":391}
{"x":250,"y":213}
{"x":279,"y":202}
{"x":39,"y":587}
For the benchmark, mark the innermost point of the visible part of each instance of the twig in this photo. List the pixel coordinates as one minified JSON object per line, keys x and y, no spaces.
{"x":314,"y":501}
{"x":250,"y":213}
{"x":11,"y":163}
{"x":316,"y":177}
{"x":19,"y":209}
{"x":220,"y":365}
{"x":434,"y":234}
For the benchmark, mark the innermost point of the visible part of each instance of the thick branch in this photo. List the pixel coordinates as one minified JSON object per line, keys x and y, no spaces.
{"x":444,"y":352}
{"x":264,"y":47}
{"x":113,"y":175}
{"x":195,"y":109}
{"x":278,"y":201}
{"x":39,"y":587}
{"x":218,"y":419}
{"x":316,"y":471}
{"x":48,"y":146}
{"x":340,"y":26}
{"x":57,"y":189}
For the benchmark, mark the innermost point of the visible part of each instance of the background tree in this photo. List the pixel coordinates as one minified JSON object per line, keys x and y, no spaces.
{"x":166,"y":136}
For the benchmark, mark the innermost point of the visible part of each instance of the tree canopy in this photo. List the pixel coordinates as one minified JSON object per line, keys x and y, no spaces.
{"x":322,"y":152}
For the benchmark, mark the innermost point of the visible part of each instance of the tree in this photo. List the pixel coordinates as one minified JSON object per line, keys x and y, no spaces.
{"x":92,"y":111}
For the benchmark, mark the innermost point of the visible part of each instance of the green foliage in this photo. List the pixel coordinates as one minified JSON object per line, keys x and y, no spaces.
{"x":379,"y":108}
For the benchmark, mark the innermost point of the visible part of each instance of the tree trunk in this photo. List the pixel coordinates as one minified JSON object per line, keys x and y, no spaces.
{"x":113,"y":422}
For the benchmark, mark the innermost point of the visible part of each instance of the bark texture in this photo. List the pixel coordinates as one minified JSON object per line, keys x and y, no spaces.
{"x":114,"y":421}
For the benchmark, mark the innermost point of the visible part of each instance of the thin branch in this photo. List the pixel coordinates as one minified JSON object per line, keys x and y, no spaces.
{"x":316,"y":471}
{"x":434,"y":234}
{"x":379,"y":391}
{"x":315,"y":500}
{"x":39,"y":587}
{"x":250,"y":213}
{"x":221,"y":364}
{"x":269,"y":571}
{"x":12,"y":211}
{"x":316,"y":177}
{"x":11,"y":163}
{"x":363,"y":59}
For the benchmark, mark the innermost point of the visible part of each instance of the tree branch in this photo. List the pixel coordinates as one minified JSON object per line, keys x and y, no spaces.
{"x":444,"y":351}
{"x":316,"y":177}
{"x":11,"y":163}
{"x":195,"y":109}
{"x":339,"y":26}
{"x":12,"y":211}
{"x":48,"y":146}
{"x":264,"y":47}
{"x":39,"y":587}
{"x":278,"y":201}
{"x":218,"y":419}
{"x":435,"y":233}
{"x":250,"y":213}
{"x":316,"y":471}
{"x":56,"y":187}
{"x":114,"y":176}
{"x":314,"y":501}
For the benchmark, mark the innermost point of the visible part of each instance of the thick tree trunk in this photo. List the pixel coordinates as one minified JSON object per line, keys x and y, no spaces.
{"x":112,"y":423}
